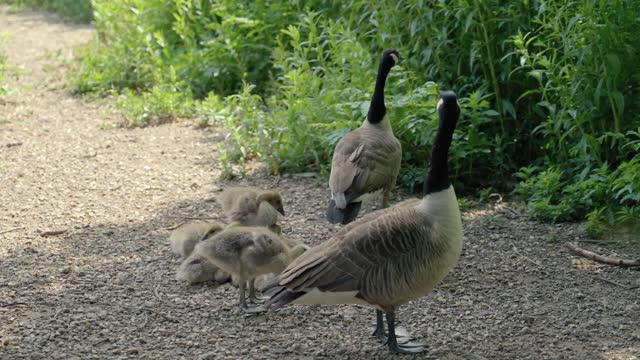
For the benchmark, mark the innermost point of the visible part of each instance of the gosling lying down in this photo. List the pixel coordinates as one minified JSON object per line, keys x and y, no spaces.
{"x":194,"y":268}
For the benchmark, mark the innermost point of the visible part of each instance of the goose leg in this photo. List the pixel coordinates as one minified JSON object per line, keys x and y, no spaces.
{"x":408,"y":347}
{"x":386,"y":196}
{"x":243,"y":303}
{"x":253,"y":298}
{"x":379,"y":331}
{"x":402,"y":336}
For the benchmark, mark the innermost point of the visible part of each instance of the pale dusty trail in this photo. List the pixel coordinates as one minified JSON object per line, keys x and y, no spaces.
{"x":106,"y":288}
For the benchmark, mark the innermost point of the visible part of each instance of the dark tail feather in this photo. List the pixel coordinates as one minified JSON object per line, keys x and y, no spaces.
{"x":343,"y":216}
{"x":272,"y":286}
{"x":281,"y":297}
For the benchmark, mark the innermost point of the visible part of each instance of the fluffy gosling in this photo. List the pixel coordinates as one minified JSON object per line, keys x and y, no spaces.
{"x":248,"y":206}
{"x":248,"y":252}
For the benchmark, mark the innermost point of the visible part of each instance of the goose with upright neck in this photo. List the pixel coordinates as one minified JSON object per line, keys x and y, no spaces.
{"x":389,"y":257}
{"x":366,"y":161}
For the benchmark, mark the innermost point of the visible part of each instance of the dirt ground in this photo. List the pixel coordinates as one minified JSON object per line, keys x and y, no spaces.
{"x":106,"y":287}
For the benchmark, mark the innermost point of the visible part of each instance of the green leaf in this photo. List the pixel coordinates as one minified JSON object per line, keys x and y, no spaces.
{"x":618,"y":100}
{"x":614,"y":64}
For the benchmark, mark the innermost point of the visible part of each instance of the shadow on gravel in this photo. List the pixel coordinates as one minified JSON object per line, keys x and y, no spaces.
{"x":109,"y":289}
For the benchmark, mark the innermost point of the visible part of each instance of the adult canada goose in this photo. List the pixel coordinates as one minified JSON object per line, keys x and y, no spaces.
{"x":248,"y":206}
{"x":366,"y":161}
{"x":389,"y":258}
{"x":184,"y":238}
{"x":248,"y":252}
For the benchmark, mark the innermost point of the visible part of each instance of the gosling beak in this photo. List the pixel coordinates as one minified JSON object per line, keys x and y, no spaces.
{"x":281,"y":210}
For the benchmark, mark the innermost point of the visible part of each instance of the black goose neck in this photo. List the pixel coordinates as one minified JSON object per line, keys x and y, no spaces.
{"x":437,"y":177}
{"x":377,"y":109}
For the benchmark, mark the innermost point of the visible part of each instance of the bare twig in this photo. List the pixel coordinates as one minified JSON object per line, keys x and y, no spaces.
{"x":13,"y":304}
{"x":10,"y":145}
{"x":146,"y":321}
{"x":522,"y":256}
{"x":155,"y":291}
{"x":168,"y":318}
{"x":173,"y":227}
{"x":194,"y":217}
{"x":496,"y":195}
{"x":611,"y":282}
{"x":508,"y":211}
{"x":514,"y":212}
{"x":590,"y":241}
{"x":602,"y":259}
{"x":57,"y":313}
{"x":53,"y":232}
{"x":102,"y":341}
{"x":10,"y":230}
{"x":276,"y":182}
{"x":148,"y":309}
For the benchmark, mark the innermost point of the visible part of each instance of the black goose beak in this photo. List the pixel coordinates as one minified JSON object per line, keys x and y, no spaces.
{"x":281,"y":210}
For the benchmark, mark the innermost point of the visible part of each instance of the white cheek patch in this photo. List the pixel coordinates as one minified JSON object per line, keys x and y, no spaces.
{"x":395,"y":58}
{"x":439,"y":104}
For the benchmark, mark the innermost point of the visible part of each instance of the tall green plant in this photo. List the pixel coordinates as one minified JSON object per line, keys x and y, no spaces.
{"x":549,"y":89}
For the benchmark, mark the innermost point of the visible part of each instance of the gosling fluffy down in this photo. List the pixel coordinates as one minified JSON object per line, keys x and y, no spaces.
{"x":248,"y":252}
{"x":262,"y":280}
{"x":194,"y":268}
{"x":249,"y":206}
{"x":185,"y":238}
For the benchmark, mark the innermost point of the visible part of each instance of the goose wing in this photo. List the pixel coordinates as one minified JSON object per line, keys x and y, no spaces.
{"x":373,"y":215}
{"x":359,"y":262}
{"x":364,"y":161}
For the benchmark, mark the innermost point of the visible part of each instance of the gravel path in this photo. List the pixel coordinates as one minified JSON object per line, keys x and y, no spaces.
{"x":106,"y":287}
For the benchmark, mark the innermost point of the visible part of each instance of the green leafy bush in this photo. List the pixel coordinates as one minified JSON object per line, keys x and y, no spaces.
{"x":160,"y":104}
{"x":549,"y":90}
{"x":75,"y":10}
